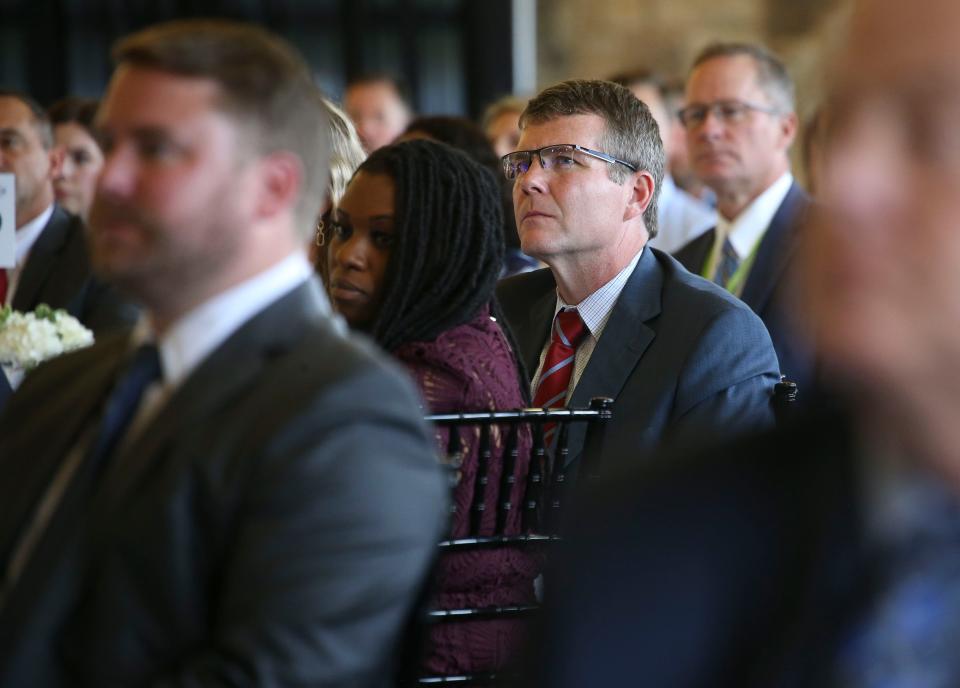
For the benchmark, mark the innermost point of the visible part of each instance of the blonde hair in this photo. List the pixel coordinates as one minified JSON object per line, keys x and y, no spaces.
{"x":346,"y":152}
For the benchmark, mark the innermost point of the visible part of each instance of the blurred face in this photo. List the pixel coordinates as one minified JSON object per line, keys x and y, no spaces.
{"x":82,"y":161}
{"x":23,"y":155}
{"x":174,"y":203}
{"x":361,"y":241}
{"x":576,"y":210}
{"x":743,"y":155}
{"x":884,"y":265}
{"x":504,"y":132}
{"x":651,"y":97}
{"x":377,"y":112}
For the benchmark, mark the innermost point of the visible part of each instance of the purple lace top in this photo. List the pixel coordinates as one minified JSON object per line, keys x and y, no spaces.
{"x":470,"y":368}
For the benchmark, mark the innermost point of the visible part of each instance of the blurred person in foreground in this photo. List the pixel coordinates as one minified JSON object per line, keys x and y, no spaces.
{"x":415,"y":251}
{"x":826,"y":554}
{"x":236,"y":493}
{"x":72,"y":120}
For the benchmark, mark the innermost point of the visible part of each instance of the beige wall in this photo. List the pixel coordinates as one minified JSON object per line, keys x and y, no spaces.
{"x":594,"y":38}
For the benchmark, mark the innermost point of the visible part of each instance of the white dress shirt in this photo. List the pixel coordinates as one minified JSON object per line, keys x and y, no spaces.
{"x":595,"y":311}
{"x":192,"y":338}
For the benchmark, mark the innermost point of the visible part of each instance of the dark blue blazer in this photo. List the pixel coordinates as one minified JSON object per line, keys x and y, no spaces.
{"x":765,"y":288}
{"x":744,"y":565}
{"x":684,"y":361}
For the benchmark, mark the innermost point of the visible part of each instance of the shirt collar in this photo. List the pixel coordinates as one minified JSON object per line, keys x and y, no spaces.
{"x":27,"y":235}
{"x":195,"y":335}
{"x":747,"y":228}
{"x":595,"y":309}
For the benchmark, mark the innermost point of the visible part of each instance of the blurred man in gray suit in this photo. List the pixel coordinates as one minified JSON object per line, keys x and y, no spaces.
{"x":237,"y":494}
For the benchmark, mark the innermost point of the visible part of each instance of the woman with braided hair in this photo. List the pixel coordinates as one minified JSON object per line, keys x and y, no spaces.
{"x":415,"y":250}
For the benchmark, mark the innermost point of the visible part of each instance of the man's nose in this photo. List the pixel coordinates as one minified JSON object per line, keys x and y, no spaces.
{"x":118,"y":175}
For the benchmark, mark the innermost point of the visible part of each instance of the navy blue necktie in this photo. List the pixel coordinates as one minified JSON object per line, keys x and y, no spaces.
{"x":124,"y":401}
{"x":727,"y":265}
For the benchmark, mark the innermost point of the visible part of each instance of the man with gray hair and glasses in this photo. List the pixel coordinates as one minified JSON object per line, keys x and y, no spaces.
{"x":683,"y":359}
{"x":740,"y":123}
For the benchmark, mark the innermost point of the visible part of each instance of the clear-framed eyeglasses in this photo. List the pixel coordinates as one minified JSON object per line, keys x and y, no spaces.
{"x":561,"y":156}
{"x":727,"y":111}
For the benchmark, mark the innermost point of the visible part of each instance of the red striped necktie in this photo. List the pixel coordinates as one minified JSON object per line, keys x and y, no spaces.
{"x":4,"y":285}
{"x":568,"y":331}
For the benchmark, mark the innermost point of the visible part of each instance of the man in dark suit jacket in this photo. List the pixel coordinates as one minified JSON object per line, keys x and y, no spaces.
{"x":267,"y":512}
{"x":740,"y":124}
{"x":824,"y":554}
{"x":682,"y":359}
{"x":52,"y":262}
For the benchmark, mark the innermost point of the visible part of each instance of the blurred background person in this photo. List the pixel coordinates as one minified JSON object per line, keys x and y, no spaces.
{"x":501,"y":123}
{"x":680,"y":216}
{"x":463,"y":134}
{"x":678,"y":159}
{"x":415,"y":252}
{"x":740,"y":121}
{"x":346,"y":154}
{"x":72,"y":120}
{"x":379,"y":105}
{"x":825,"y":554}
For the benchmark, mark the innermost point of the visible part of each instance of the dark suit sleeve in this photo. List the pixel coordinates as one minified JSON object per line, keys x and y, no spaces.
{"x":726,"y":385}
{"x":335,"y":535}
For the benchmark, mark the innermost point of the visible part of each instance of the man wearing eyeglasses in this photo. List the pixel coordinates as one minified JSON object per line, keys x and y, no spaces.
{"x":740,"y":123}
{"x":683,"y":359}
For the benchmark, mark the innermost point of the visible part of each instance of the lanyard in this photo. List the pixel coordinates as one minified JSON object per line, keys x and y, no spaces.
{"x":734,"y":285}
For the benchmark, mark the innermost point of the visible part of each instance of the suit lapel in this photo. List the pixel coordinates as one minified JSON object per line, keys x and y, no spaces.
{"x":532,"y":333}
{"x":775,"y":250}
{"x":694,"y":255}
{"x":622,"y":343}
{"x":40,"y":263}
{"x":227,"y":372}
{"x":31,"y":465}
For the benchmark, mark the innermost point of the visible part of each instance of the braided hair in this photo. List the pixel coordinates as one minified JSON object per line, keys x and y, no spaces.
{"x":447,"y":248}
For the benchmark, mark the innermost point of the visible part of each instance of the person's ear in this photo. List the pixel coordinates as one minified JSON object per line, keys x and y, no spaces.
{"x":789,"y":124}
{"x":280,"y":183}
{"x":642,"y":191}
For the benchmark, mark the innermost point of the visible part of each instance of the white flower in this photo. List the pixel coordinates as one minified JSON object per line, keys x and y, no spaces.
{"x":28,"y":339}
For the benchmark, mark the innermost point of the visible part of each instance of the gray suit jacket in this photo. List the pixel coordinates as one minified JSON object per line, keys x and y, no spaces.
{"x":684,"y":361}
{"x":271,"y":526}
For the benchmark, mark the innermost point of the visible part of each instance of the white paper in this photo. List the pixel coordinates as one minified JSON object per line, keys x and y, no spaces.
{"x":8,"y":221}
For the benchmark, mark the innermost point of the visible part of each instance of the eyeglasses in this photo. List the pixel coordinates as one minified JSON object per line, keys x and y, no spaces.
{"x":727,"y":111}
{"x":562,"y":156}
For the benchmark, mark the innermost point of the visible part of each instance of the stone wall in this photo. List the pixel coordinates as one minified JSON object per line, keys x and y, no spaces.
{"x":594,"y":38}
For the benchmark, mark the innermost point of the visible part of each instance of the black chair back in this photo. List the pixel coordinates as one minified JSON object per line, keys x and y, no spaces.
{"x":545,"y":493}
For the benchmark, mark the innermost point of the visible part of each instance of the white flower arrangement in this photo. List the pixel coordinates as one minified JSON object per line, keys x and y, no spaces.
{"x":28,"y":339}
